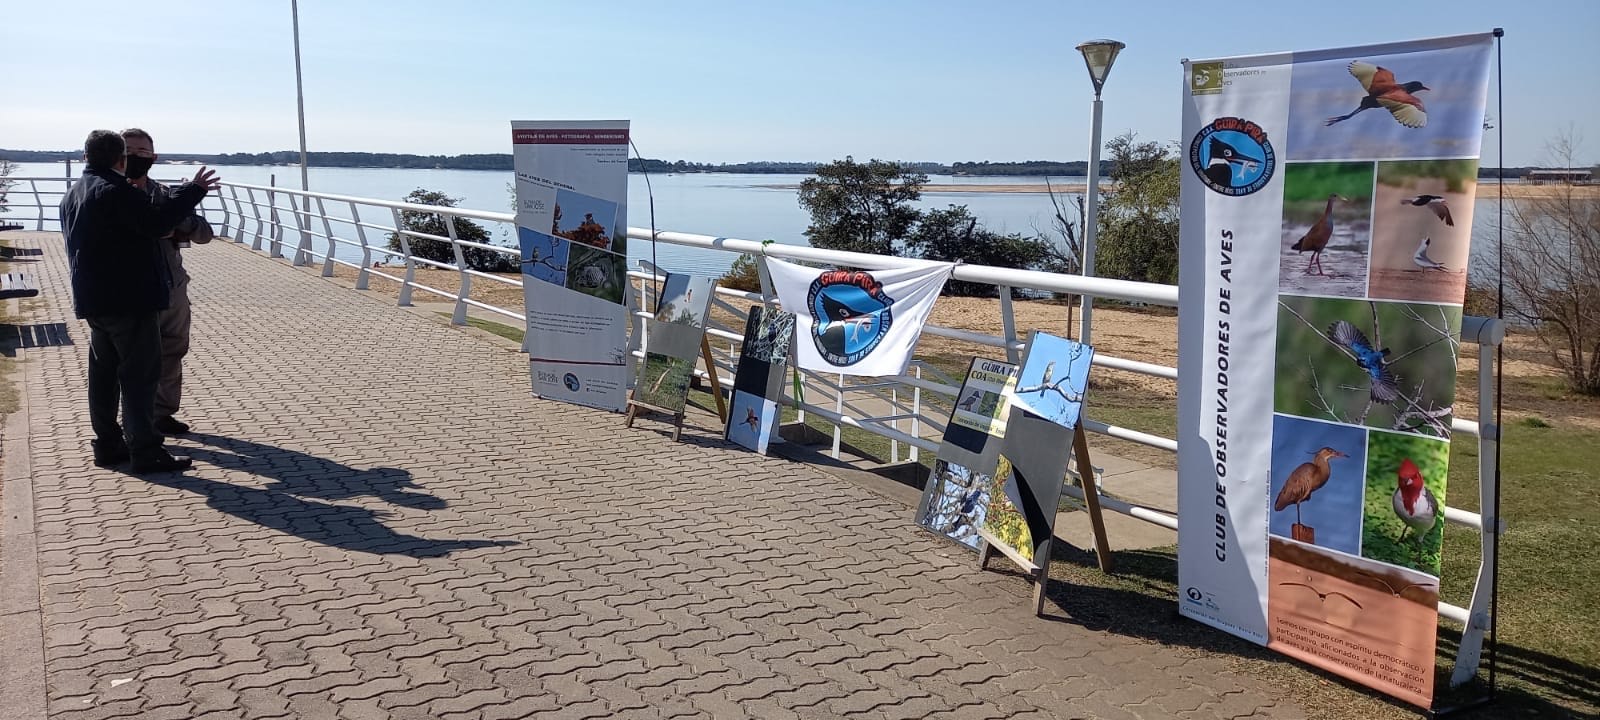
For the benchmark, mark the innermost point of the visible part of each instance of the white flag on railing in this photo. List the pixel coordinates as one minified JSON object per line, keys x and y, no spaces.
{"x":857,"y":322}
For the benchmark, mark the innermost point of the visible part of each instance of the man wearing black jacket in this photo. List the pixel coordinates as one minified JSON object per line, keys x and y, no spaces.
{"x":120,"y":282}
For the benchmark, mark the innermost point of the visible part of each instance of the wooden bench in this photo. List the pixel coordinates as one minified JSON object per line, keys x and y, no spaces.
{"x":17,"y":285}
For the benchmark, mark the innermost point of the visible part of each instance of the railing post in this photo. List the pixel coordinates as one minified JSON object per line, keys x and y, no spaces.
{"x":894,"y":409}
{"x":39,"y":204}
{"x":227,"y":217}
{"x":238,"y":207}
{"x":838,"y":409}
{"x":1470,"y":650}
{"x":459,"y":317}
{"x":405,"y":250}
{"x":1008,"y":321}
{"x":333,"y":245}
{"x":364,"y":275}
{"x":916,"y":414}
{"x":255,"y":209}
{"x":275,"y":240}
{"x":301,"y":211}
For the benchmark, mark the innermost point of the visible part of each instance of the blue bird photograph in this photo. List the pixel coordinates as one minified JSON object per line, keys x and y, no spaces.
{"x":544,"y":257}
{"x":1327,"y":228}
{"x":1376,"y":364}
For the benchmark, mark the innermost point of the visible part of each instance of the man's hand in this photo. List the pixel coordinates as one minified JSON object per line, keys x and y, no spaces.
{"x":207,"y":179}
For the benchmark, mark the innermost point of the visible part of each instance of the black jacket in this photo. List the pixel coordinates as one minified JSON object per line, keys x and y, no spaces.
{"x":113,"y":233}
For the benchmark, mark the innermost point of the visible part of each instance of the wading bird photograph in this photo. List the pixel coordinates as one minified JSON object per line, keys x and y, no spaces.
{"x":1326,"y":228}
{"x":1405,"y":497}
{"x":1360,"y":362}
{"x":1409,"y":105}
{"x":1318,"y":476}
{"x":1422,"y":229}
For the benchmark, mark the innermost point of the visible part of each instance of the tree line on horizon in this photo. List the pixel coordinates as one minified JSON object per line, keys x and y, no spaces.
{"x":503,"y":162}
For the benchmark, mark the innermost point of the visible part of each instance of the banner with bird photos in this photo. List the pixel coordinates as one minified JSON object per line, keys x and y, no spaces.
{"x":1326,"y":219}
{"x":857,"y":322}
{"x":572,"y":229}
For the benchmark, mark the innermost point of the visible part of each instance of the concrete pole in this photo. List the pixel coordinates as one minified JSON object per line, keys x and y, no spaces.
{"x":299,"y":93}
{"x":1091,"y":219}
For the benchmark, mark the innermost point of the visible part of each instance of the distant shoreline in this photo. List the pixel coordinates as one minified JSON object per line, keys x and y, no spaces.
{"x":1485,"y":190}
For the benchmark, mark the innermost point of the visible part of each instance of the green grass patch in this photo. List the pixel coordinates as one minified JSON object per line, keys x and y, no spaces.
{"x":514,"y":334}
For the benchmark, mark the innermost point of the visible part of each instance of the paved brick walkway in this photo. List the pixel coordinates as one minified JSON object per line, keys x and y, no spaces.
{"x":383,"y":523}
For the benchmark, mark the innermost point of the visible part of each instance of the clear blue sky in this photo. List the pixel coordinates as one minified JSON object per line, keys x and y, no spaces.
{"x":713,"y":81}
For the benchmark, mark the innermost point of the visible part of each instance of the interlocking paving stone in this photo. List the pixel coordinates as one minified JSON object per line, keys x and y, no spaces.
{"x":383,"y":523}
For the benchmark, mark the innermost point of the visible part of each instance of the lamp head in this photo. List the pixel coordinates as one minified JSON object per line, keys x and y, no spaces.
{"x":1098,"y":55}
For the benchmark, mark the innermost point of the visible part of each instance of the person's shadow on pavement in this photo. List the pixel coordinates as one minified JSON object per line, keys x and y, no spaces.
{"x":291,"y":502}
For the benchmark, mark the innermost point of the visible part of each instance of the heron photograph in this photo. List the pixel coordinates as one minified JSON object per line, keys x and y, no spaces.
{"x":1327,"y":228}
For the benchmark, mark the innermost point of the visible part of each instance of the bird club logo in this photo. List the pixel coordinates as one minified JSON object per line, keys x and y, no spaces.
{"x":571,"y":381}
{"x":850,"y":315}
{"x":1232,"y":156}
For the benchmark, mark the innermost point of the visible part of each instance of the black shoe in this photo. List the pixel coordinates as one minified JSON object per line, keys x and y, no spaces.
{"x":159,"y":461}
{"x":171,"y":426}
{"x":109,"y":454}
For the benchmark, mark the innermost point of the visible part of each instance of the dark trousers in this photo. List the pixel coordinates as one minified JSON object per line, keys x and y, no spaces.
{"x":125,"y":360}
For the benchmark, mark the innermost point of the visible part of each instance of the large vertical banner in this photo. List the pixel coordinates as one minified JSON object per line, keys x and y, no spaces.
{"x":1327,"y":210}
{"x":572,"y":202}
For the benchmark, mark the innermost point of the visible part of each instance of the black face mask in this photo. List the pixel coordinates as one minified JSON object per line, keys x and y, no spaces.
{"x":138,"y":166}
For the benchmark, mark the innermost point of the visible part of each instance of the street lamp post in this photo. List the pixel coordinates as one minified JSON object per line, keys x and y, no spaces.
{"x":299,"y":93}
{"x":1098,"y":55}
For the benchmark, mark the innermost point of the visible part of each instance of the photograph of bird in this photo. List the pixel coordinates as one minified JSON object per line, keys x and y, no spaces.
{"x":1385,"y":386}
{"x":1414,"y":503}
{"x":1423,"y":261}
{"x":1383,"y":92}
{"x":1434,"y":203}
{"x":1390,"y":587}
{"x":752,"y":419}
{"x":1227,"y":165}
{"x":1304,"y":480}
{"x":971,"y":400}
{"x":1323,"y":596}
{"x":1316,"y":239}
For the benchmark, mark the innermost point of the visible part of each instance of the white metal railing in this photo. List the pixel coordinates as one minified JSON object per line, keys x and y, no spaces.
{"x":267,"y":217}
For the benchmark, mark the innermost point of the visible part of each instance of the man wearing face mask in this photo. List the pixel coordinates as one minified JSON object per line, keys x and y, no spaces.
{"x":174,"y":320}
{"x":119,"y":285}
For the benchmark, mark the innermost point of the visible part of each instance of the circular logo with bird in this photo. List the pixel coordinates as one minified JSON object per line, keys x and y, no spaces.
{"x":850,"y":315}
{"x":1233,"y":156}
{"x":571,"y":381}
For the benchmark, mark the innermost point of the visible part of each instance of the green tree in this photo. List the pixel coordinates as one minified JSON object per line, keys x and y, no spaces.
{"x":744,"y":275}
{"x":1138,"y":224}
{"x":6,"y":169}
{"x":954,"y":235}
{"x":1552,"y":269}
{"x":862,"y":207}
{"x":420,"y":221}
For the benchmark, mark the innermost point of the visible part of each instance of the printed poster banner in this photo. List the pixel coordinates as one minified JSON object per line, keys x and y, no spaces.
{"x":857,"y":322}
{"x":1327,"y":212}
{"x":956,"y":499}
{"x":572,"y":196}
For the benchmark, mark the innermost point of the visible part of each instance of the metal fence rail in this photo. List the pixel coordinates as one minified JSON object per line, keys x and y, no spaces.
{"x":902,"y":409}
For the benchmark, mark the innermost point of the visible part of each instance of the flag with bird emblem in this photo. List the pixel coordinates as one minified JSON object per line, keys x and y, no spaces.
{"x":858,"y":322}
{"x":1327,"y":210}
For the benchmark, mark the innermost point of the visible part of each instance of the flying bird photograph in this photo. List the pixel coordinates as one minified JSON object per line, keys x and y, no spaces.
{"x":1422,"y":229}
{"x":1317,"y":479}
{"x":1378,"y":364}
{"x":1403,"y":522}
{"x":1406,"y":105}
{"x":751,"y":421}
{"x":1326,"y":228}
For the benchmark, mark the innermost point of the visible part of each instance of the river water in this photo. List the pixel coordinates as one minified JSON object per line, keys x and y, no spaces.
{"x":718,"y":204}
